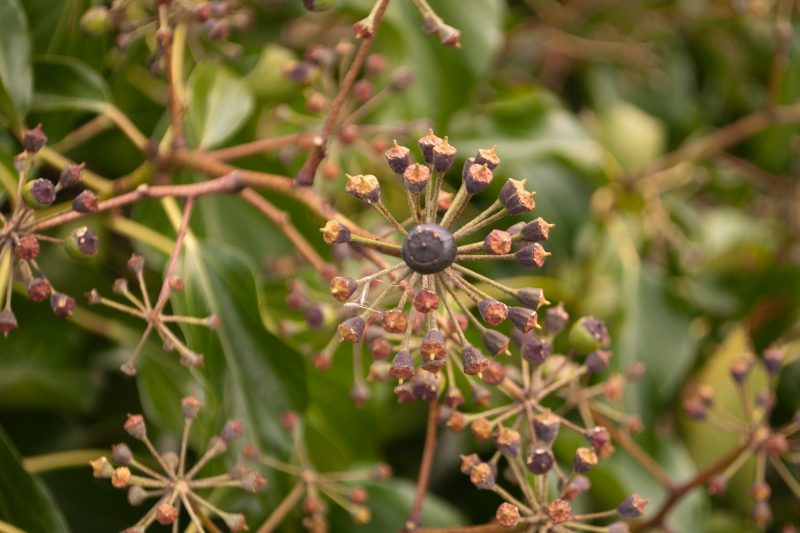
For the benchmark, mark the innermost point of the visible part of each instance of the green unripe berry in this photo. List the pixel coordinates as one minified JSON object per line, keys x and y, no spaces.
{"x":39,"y":193}
{"x":95,"y":22}
{"x":81,"y":244}
{"x":587,"y":335}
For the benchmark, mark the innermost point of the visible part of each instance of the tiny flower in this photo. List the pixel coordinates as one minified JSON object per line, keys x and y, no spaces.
{"x":559,"y":511}
{"x":507,"y":515}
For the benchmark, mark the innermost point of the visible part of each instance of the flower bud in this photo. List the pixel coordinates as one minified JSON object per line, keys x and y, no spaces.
{"x":416,"y":177}
{"x":101,"y":468}
{"x":334,"y":232}
{"x":121,"y":477}
{"x":352,"y":329}
{"x":494,"y":373}
{"x":597,"y":361}
{"x":632,"y":507}
{"x":33,"y":139}
{"x":773,"y":359}
{"x":401,"y":78}
{"x":536,"y":350}
{"x":497,"y":242}
{"x":365,"y":187}
{"x":760,"y":491}
{"x":762,"y":514}
{"x":476,"y":177}
{"x":343,"y":287}
{"x":741,"y":368}
{"x":480,"y":395}
{"x":515,"y":198}
{"x":85,"y":202}
{"x":39,"y":193}
{"x":136,"y":495}
{"x":508,"y":442}
{"x":468,"y":462}
{"x":136,"y":264}
{"x":473,"y":361}
{"x":398,"y":157}
{"x":576,"y":487}
{"x":231,"y":431}
{"x":488,"y":157}
{"x":444,"y":154}
{"x":481,"y":428}
{"x":535,"y":231}
{"x":540,"y":460}
{"x":402,"y":366}
{"x":532,"y":255}
{"x":235,"y":522}
{"x":455,"y":422}
{"x":359,"y":394}
{"x":546,"y":426}
{"x":426,"y":301}
{"x":717,"y":485}
{"x":585,"y":459}
{"x":557,"y":318}
{"x":71,"y":175}
{"x":135,"y":427}
{"x":121,"y":453}
{"x":81,"y":244}
{"x":426,"y":145}
{"x":39,"y":289}
{"x":482,"y":476}
{"x":523,"y":318}
{"x":492,"y":311}
{"x":8,"y":322}
{"x":496,"y":343}
{"x":453,"y":397}
{"x":95,"y":22}
{"x":507,"y":515}
{"x":190,"y":406}
{"x":61,"y":304}
{"x":598,"y":438}
{"x":559,"y":511}
{"x":433,"y":345}
{"x":588,"y":334}
{"x":27,"y":248}
{"x":532,"y":298}
{"x":166,"y":514}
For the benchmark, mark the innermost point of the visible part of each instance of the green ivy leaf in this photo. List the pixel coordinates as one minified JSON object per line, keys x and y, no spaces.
{"x":16,"y":81}
{"x":219,"y":103}
{"x":24,"y":501}
{"x":65,"y":83}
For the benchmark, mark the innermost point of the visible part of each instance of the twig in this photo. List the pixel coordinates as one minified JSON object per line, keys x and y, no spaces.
{"x":281,"y":219}
{"x":415,"y":516}
{"x":307,"y":174}
{"x":255,"y":147}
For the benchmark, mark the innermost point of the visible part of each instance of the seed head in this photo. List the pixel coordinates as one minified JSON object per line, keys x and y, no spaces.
{"x":135,"y":426}
{"x":632,"y":507}
{"x":741,"y":368}
{"x":535,"y":231}
{"x":509,"y":442}
{"x":444,"y":154}
{"x":402,"y":366}
{"x":507,"y":515}
{"x":559,"y":511}
{"x":597,"y":361}
{"x":121,"y":453}
{"x":472,"y":361}
{"x":536,"y":350}
{"x":33,"y":139}
{"x":532,"y":255}
{"x":496,"y":343}
{"x":61,"y":304}
{"x":481,"y":428}
{"x":39,"y":289}
{"x":27,"y":248}
{"x":398,"y":157}
{"x":121,"y":477}
{"x":333,"y":232}
{"x":588,"y":334}
{"x":515,"y":198}
{"x":343,"y":287}
{"x":101,"y":468}
{"x":476,"y":177}
{"x":433,"y":345}
{"x":468,"y":462}
{"x":585,"y":459}
{"x":365,"y":187}
{"x":482,"y":476}
{"x":540,"y":460}
{"x":532,"y":298}
{"x":488,"y":157}
{"x":497,"y":242}
{"x":352,"y":329}
{"x":85,"y":202}
{"x":416,"y":177}
{"x":557,"y":318}
{"x":426,"y":145}
{"x":39,"y":193}
{"x":71,"y":175}
{"x":8,"y":322}
{"x":166,"y":514}
{"x":523,"y":318}
{"x":190,"y":406}
{"x":81,"y":244}
{"x":546,"y":426}
{"x":492,"y":311}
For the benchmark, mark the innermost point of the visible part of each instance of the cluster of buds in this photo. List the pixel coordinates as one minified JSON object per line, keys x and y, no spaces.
{"x":340,"y":488}
{"x":177,"y":484}
{"x":20,"y":238}
{"x":131,"y":21}
{"x":320,"y":73}
{"x":430,"y":275}
{"x":152,"y":313}
{"x":772,"y":447}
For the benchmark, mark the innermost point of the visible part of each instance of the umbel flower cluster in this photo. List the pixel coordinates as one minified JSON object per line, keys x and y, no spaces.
{"x":20,"y":238}
{"x":773,"y":447}
{"x":542,"y":396}
{"x":174,"y":484}
{"x":421,"y":308}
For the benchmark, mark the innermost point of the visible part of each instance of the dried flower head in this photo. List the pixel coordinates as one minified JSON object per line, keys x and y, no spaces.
{"x":174,"y":485}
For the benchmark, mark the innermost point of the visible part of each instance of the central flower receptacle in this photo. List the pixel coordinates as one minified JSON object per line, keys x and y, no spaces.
{"x":429,"y":249}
